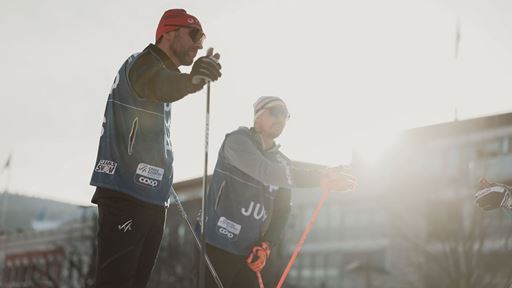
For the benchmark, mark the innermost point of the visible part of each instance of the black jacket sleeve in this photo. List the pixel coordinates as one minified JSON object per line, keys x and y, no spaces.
{"x":151,"y":79}
{"x":280,"y":214}
{"x":242,"y":153}
{"x":306,"y":175}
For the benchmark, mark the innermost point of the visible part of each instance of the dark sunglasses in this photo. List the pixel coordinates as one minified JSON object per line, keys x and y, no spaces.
{"x":278,"y":112}
{"x":195,"y":34}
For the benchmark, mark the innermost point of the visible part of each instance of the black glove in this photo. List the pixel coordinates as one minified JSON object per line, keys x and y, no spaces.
{"x":206,"y":68}
{"x":493,"y":196}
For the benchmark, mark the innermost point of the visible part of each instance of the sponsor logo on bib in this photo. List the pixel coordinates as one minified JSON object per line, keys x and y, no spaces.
{"x":149,"y":176}
{"x":228,"y":229}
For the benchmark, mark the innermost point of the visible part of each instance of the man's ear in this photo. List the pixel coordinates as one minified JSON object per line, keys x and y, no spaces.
{"x":257,"y":124}
{"x":169,"y":36}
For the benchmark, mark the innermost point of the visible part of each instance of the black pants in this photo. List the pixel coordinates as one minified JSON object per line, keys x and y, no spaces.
{"x":231,"y":269}
{"x":129,"y":237}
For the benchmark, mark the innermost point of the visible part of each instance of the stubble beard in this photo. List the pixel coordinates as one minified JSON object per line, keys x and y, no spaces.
{"x":181,"y":54}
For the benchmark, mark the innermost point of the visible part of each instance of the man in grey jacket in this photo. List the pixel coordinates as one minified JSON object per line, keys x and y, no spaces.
{"x":249,"y":197}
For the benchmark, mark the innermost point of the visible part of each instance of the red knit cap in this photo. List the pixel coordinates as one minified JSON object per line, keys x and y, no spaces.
{"x":174,"y":19}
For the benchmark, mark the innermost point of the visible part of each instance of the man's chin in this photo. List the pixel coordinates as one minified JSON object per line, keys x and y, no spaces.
{"x":276,"y":134}
{"x":188,"y":62}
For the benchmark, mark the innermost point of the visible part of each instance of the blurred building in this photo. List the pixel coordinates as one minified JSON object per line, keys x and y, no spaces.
{"x":412,"y":212}
{"x":411,"y":222}
{"x":58,"y":257}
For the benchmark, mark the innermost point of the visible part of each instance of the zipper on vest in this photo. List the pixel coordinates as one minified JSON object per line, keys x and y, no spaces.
{"x":133,"y":133}
{"x":220,"y":193}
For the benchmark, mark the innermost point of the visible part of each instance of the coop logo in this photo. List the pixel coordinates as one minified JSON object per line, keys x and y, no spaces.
{"x":226,"y":232}
{"x":106,"y":166}
{"x":149,"y":176}
{"x":228,"y":229}
{"x":147,"y":181}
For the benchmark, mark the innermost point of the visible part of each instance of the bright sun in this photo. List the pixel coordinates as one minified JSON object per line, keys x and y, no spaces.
{"x":371,"y":145}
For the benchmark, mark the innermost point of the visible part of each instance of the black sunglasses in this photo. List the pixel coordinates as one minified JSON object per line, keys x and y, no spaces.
{"x":194,"y":33}
{"x":278,"y":112}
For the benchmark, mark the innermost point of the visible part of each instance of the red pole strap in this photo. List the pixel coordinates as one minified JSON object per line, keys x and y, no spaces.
{"x":260,"y":280}
{"x":325,"y":193}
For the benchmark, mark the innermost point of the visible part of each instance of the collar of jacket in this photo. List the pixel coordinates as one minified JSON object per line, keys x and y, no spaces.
{"x":258,"y":136}
{"x":169,"y":64}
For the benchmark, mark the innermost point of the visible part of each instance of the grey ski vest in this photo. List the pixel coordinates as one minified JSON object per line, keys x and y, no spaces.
{"x":239,"y":207}
{"x":135,"y":155}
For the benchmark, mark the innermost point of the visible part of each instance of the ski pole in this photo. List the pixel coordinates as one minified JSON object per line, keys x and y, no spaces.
{"x":260,"y":280}
{"x":205,"y":179}
{"x":325,"y":193}
{"x":184,"y":216}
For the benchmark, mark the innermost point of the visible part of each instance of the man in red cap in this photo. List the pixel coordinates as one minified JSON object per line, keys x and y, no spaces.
{"x":133,"y":173}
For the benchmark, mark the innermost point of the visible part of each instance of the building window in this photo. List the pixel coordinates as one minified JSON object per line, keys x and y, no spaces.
{"x":491,"y":148}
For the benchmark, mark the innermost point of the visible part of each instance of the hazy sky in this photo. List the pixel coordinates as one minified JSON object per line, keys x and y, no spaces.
{"x":347,"y":69}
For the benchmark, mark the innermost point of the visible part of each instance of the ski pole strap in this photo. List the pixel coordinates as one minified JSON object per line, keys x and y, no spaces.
{"x":325,"y":193}
{"x":257,"y":271}
{"x":260,"y":280}
{"x":258,"y":257}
